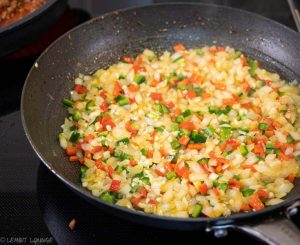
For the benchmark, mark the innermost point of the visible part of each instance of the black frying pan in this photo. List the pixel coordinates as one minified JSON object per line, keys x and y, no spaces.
{"x":102,"y":41}
{"x":19,"y":33}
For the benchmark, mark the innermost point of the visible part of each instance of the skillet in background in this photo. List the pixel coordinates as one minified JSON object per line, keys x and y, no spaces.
{"x":21,"y":32}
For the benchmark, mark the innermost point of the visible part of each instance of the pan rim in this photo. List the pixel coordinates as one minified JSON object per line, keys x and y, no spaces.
{"x":87,"y":195}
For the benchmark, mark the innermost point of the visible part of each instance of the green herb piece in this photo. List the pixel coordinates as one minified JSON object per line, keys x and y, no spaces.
{"x":120,"y":169}
{"x":290,"y":139}
{"x":179,"y":119}
{"x":157,"y":107}
{"x":243,"y":150}
{"x":268,"y":151}
{"x":209,"y":131}
{"x":139,"y":78}
{"x":259,"y":158}
{"x":261,"y":83}
{"x":246,"y":130}
{"x":269,"y":145}
{"x":237,"y":177}
{"x":215,"y":183}
{"x":219,"y":111}
{"x":152,"y":115}
{"x":122,"y":100}
{"x":122,"y":155}
{"x":107,"y":197}
{"x":96,"y":119}
{"x":83,"y":170}
{"x":253,"y":66}
{"x":198,"y":137}
{"x":165,"y":109}
{"x":203,"y":160}
{"x":247,"y":192}
{"x":251,"y":92}
{"x":180,"y":76}
{"x":144,"y":152}
{"x":133,"y":186}
{"x":104,"y":143}
{"x":183,"y":132}
{"x":76,"y":116}
{"x":237,"y":54}
{"x":174,"y":127}
{"x":89,"y":105}
{"x":276,"y":152}
{"x":73,"y":128}
{"x":160,"y":129}
{"x":67,"y":103}
{"x":171,"y":175}
{"x":212,"y":109}
{"x":103,"y":133}
{"x":225,"y":133}
{"x":74,"y":137}
{"x":263,"y":126}
{"x":199,"y":91}
{"x":224,"y":122}
{"x":186,"y":113}
{"x":223,"y":186}
{"x":175,"y":144}
{"x":197,"y":211}
{"x":173,"y":158}
{"x":124,"y":141}
{"x":179,"y":59}
{"x":181,"y":86}
{"x":227,"y":109}
{"x":143,"y":178}
{"x":199,"y":51}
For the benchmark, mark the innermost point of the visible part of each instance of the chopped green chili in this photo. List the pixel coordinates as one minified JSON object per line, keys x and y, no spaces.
{"x":139,"y":78}
{"x":247,"y":192}
{"x":186,"y":113}
{"x":198,"y":137}
{"x":74,"y":137}
{"x":243,"y":150}
{"x":67,"y":102}
{"x":197,"y":211}
{"x":122,"y":100}
{"x":124,"y":141}
{"x":171,"y":175}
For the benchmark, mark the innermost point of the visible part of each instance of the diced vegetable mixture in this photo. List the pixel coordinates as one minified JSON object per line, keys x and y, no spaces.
{"x":193,"y":132}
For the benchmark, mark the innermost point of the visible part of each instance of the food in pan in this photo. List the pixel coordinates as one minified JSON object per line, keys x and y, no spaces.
{"x":195,"y":132}
{"x":13,"y":10}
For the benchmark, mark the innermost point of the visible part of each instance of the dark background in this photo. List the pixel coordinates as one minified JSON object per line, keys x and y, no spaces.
{"x":34,"y":205}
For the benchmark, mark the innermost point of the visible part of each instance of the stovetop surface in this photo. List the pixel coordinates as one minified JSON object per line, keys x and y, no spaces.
{"x":36,"y":207}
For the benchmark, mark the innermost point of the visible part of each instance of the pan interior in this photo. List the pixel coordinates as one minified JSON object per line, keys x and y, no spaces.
{"x":104,"y":40}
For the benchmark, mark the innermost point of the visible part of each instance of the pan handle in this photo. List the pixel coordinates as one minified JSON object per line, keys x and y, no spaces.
{"x":277,"y":231}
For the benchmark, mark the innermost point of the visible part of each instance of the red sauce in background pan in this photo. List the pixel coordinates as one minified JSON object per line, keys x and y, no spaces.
{"x":13,"y":10}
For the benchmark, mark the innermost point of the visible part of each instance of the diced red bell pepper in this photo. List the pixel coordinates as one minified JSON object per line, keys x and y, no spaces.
{"x":256,"y":203}
{"x":203,"y":188}
{"x":115,"y":186}
{"x":187,"y":125}
{"x":156,"y":96}
{"x":179,"y":47}
{"x":80,"y":89}
{"x":104,"y":106}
